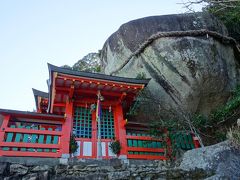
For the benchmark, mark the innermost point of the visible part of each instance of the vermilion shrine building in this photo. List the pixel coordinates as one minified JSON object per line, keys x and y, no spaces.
{"x":67,"y":109}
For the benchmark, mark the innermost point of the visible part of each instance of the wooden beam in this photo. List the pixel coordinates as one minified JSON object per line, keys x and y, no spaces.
{"x":38,"y":104}
{"x":3,"y":127}
{"x":88,"y":91}
{"x":62,"y":89}
{"x":71,"y":91}
{"x":149,"y":157}
{"x":100,"y":81}
{"x":29,"y":145}
{"x":141,"y":149}
{"x":122,"y":97}
{"x":30,"y":154}
{"x":143,"y":138}
{"x":92,"y":101}
{"x":31,"y":131}
{"x":59,"y":104}
{"x":55,"y":74}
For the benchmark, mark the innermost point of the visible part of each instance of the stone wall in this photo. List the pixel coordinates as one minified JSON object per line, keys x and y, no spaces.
{"x":44,"y":169}
{"x":219,"y":161}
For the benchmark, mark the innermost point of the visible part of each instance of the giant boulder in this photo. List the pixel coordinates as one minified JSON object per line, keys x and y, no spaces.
{"x":222,"y":159}
{"x":191,"y":62}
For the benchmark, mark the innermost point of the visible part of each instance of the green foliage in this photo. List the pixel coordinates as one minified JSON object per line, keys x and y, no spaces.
{"x":97,"y":68}
{"x":67,"y":67}
{"x":219,"y":114}
{"x":115,"y":146}
{"x":228,"y":109}
{"x":199,"y":120}
{"x":89,"y":63}
{"x":222,"y":113}
{"x":229,"y":13}
{"x":158,"y":130}
{"x":73,"y":146}
{"x":234,"y":136}
{"x":141,"y":75}
{"x":220,"y":135}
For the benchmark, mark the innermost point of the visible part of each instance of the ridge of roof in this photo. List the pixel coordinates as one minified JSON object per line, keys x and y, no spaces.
{"x":97,"y":75}
{"x":39,"y":93}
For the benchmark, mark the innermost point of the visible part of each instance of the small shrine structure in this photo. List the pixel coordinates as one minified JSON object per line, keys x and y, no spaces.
{"x":90,"y":107}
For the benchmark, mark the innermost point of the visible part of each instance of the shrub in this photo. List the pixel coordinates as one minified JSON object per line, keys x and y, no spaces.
{"x":141,"y":75}
{"x":234,"y":136}
{"x":73,"y":146}
{"x":115,"y":147}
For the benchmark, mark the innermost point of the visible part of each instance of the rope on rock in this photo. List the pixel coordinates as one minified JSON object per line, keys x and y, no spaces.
{"x":193,"y":33}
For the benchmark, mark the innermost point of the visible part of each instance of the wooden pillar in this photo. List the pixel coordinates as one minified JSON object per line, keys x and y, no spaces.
{"x":94,"y":135}
{"x":3,"y":127}
{"x":67,"y":128}
{"x":120,"y":130}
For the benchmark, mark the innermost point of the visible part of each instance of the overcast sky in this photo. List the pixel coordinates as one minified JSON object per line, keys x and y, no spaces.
{"x":33,"y":33}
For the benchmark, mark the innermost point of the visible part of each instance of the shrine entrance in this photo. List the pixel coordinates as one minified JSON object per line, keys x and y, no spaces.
{"x":85,"y":130}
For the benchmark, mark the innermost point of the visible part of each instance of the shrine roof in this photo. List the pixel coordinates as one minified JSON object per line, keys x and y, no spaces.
{"x":29,"y":114}
{"x":53,"y":68}
{"x":37,"y":94}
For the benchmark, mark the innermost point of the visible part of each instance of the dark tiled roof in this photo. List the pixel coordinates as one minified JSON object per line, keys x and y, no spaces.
{"x":97,"y":75}
{"x":37,"y":93}
{"x":8,"y":111}
{"x":52,"y":68}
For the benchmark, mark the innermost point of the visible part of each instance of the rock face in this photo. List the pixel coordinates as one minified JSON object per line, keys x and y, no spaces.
{"x":221,"y":159}
{"x":189,"y":73}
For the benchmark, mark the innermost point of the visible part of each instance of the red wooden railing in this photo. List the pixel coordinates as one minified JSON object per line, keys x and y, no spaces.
{"x":144,"y":147}
{"x":41,"y":140}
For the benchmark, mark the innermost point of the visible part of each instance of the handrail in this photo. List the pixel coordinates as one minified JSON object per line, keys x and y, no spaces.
{"x":143,"y":138}
{"x":145,"y":149}
{"x":29,"y":145}
{"x":30,"y":154}
{"x":148,"y":157}
{"x":32,"y":131}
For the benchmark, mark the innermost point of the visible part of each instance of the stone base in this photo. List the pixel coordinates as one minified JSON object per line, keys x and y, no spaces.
{"x":63,"y":161}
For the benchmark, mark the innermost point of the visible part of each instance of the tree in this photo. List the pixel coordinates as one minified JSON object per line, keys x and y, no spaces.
{"x":89,"y":63}
{"x":66,"y":66}
{"x":148,"y":108}
{"x":226,"y":10}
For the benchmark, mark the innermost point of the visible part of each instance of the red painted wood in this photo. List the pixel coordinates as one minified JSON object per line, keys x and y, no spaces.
{"x":32,"y":131}
{"x":36,"y":116}
{"x":145,"y":149}
{"x":2,"y":129}
{"x":94,"y":135}
{"x":143,"y":138}
{"x":67,"y":128}
{"x":92,"y":101}
{"x":149,"y":157}
{"x":106,"y":149}
{"x":59,"y":104}
{"x":30,"y":154}
{"x":4,"y":126}
{"x":120,"y":129}
{"x":29,"y":145}
{"x":101,"y":82}
{"x":83,"y":139}
{"x":196,"y":142}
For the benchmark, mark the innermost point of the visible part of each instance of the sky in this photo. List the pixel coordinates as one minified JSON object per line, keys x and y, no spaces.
{"x":34,"y":33}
